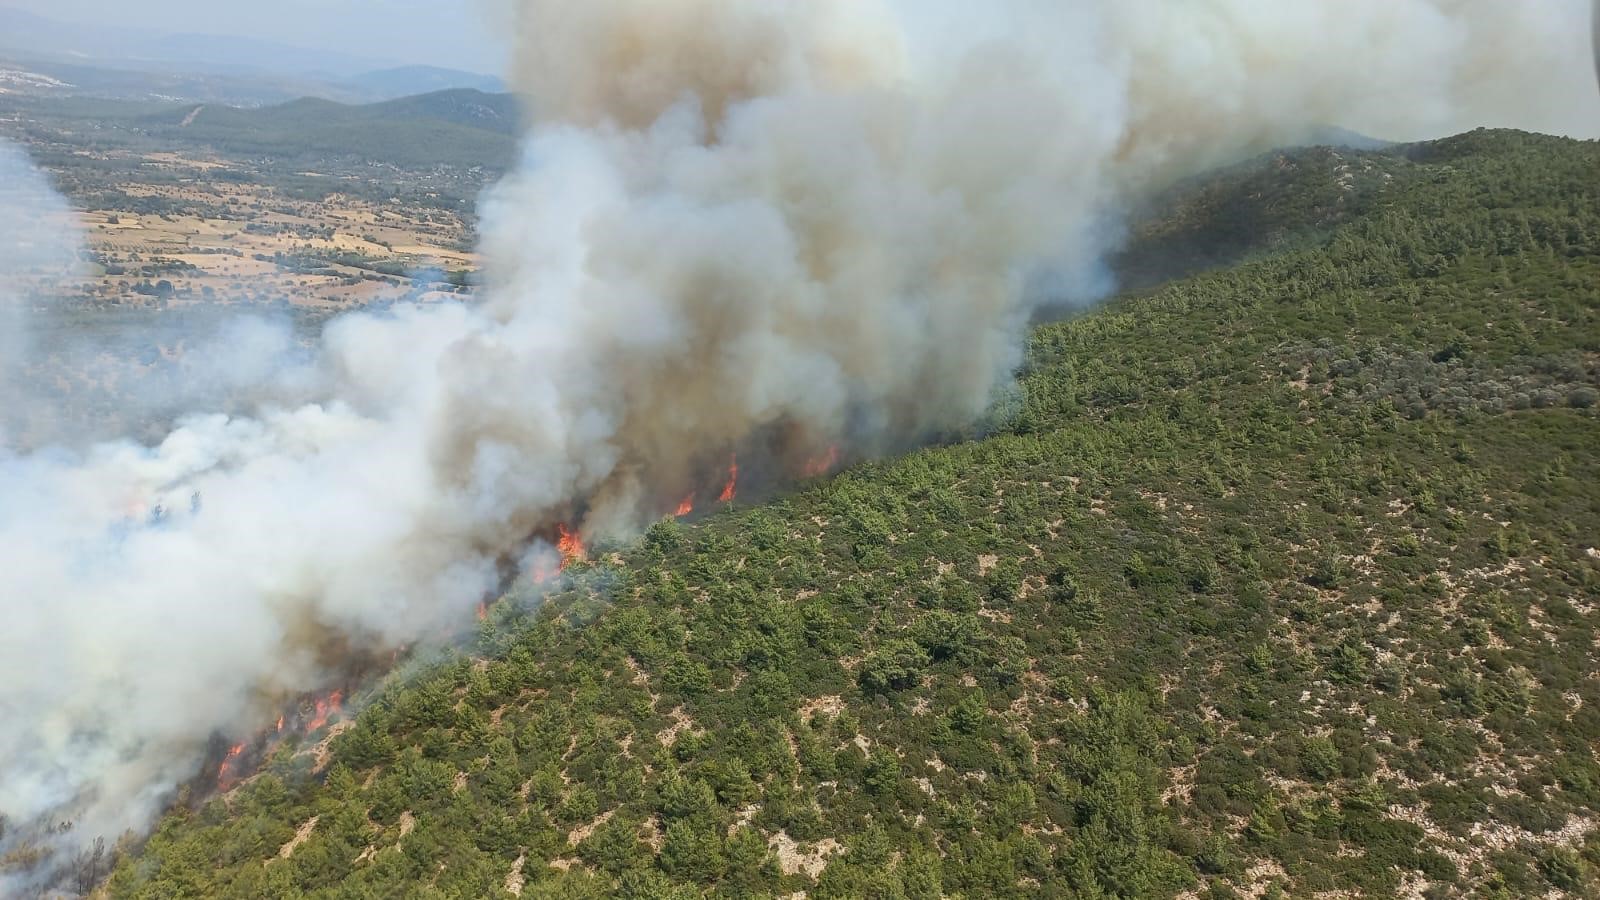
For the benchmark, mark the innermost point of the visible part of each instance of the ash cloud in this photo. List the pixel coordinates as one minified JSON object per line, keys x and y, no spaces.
{"x":754,"y":228}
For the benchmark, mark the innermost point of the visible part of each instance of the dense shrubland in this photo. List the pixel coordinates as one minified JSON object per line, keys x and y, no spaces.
{"x":1278,"y":578}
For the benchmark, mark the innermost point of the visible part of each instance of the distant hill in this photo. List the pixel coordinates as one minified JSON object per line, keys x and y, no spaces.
{"x":460,"y":127}
{"x":499,"y":113}
{"x":102,"y":80}
{"x":132,"y":63}
{"x":38,"y":35}
{"x":466,"y":108}
{"x":139,"y":48}
{"x":407,"y":80}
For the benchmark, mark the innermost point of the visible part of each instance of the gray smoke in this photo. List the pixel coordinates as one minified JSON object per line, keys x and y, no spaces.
{"x":763,"y":228}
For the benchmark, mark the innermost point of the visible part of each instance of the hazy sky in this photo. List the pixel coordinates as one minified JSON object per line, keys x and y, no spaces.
{"x":438,"y":32}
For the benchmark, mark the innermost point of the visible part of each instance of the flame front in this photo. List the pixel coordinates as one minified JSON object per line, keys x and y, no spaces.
{"x":226,"y":777}
{"x":324,"y":708}
{"x":822,"y":464}
{"x":685,"y":508}
{"x":731,"y":489}
{"x":570,"y":546}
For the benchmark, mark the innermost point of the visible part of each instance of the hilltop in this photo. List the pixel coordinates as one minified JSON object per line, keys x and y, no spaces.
{"x":1277,"y":575}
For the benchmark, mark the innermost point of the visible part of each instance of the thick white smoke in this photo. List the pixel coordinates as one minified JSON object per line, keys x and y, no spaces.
{"x":754,"y":226}
{"x":1596,"y":26}
{"x":39,"y":245}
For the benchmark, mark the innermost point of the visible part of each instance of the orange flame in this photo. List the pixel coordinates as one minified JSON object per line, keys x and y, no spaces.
{"x":820,"y":465}
{"x":731,"y":490}
{"x":570,"y":545}
{"x":686,"y":507}
{"x":226,"y":778}
{"x":280,"y":724}
{"x":325,"y":707}
{"x":540,"y":574}
{"x":483,"y":610}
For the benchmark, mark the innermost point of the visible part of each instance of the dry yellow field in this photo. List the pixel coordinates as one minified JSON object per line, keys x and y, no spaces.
{"x":235,"y":258}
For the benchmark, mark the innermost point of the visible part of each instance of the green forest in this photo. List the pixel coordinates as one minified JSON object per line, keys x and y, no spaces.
{"x":1277,"y":576}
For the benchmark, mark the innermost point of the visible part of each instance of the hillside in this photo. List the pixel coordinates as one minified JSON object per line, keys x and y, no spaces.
{"x":1277,"y":578}
{"x":1263,"y":205}
{"x":465,"y":108}
{"x":460,"y":128}
{"x":456,"y":127}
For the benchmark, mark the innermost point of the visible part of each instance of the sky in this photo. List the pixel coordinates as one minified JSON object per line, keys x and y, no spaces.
{"x":452,"y":33}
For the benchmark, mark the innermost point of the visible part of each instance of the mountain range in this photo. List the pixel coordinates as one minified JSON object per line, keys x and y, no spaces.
{"x":132,"y":63}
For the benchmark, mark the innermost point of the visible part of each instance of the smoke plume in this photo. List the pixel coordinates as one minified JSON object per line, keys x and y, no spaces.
{"x":39,"y":244}
{"x":1596,"y":26}
{"x":743,"y":229}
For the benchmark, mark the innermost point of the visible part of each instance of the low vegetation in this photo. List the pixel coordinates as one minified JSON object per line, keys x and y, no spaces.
{"x":1278,"y":579}
{"x":429,"y":152}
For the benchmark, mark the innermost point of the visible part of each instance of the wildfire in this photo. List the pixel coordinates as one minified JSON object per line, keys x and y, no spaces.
{"x":280,"y":725}
{"x":822,"y":464}
{"x":483,"y":610}
{"x":542,"y":574}
{"x":324,"y":708}
{"x":570,"y":545}
{"x":731,"y":489}
{"x":226,"y":778}
{"x":686,"y":507}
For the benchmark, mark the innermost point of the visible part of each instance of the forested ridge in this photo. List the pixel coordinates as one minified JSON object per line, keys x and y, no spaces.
{"x":1273,"y":580}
